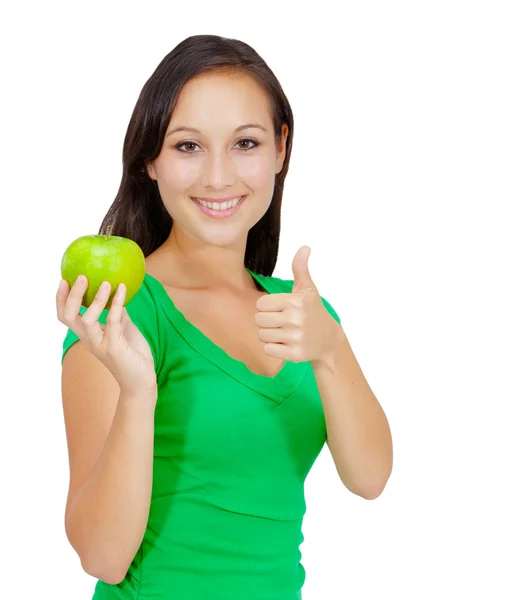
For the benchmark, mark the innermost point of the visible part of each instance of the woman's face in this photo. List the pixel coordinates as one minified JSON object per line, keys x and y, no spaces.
{"x":219,"y":160}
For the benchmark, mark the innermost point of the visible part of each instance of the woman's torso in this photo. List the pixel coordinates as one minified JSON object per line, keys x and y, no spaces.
{"x":235,"y":435}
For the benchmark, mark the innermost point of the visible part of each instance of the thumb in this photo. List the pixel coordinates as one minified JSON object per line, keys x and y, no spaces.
{"x":302,"y":278}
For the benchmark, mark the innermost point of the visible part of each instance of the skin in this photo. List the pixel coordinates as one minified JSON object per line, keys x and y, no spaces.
{"x":207,"y":252}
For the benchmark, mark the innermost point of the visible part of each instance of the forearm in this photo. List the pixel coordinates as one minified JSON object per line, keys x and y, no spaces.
{"x":359,"y":436}
{"x":108,"y":515}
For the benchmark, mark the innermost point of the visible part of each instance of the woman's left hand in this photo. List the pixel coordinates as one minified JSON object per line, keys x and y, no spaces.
{"x":297,"y":326}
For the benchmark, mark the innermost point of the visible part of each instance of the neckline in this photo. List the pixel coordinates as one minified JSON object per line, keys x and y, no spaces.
{"x":277,"y":387}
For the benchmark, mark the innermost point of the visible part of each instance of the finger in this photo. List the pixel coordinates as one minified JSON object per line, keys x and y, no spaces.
{"x":113,"y":331}
{"x":73,"y":304}
{"x":275,"y":335}
{"x":278,"y":351}
{"x":125,"y":315}
{"x":89,"y":320}
{"x":61,"y":297}
{"x":273,"y":302}
{"x":270,"y":319}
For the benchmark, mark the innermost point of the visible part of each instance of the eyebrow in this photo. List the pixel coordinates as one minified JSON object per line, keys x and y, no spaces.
{"x":193,"y":130}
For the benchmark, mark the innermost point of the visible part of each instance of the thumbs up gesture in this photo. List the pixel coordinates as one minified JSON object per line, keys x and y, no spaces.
{"x":297,"y":326}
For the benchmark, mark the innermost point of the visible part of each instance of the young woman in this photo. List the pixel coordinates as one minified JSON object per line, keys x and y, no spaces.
{"x":194,"y":414}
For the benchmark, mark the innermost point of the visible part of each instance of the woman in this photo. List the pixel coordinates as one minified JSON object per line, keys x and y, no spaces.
{"x":193,"y":415}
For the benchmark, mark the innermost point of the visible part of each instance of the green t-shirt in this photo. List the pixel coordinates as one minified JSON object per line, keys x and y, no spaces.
{"x":232,"y":449}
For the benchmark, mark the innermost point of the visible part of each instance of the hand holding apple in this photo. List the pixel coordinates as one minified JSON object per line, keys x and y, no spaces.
{"x":119,"y":344}
{"x":119,"y":263}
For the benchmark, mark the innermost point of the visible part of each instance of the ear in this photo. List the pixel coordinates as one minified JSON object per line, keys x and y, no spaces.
{"x":150,"y":170}
{"x":282,"y":148}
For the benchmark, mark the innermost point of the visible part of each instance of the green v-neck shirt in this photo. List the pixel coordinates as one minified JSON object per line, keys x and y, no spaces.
{"x":232,"y":449}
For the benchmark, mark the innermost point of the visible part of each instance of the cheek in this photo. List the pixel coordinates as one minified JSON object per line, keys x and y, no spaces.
{"x":178,"y":175}
{"x":257,"y":171}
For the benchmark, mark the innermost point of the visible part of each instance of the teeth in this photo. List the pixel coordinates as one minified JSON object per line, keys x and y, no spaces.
{"x":219,"y":205}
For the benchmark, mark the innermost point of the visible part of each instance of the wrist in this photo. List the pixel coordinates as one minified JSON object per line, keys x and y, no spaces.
{"x":139,"y":396}
{"x":328,"y":360}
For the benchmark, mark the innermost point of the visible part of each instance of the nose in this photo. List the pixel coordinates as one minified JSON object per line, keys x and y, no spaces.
{"x":218,"y":171}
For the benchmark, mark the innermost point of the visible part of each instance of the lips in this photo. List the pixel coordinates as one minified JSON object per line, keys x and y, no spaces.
{"x":219,"y":213}
{"x":216,"y":206}
{"x":218,"y":200}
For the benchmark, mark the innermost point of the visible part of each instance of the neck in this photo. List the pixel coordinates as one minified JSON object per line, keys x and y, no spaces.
{"x":204,"y":266}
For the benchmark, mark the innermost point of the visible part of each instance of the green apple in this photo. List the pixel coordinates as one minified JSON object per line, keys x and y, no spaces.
{"x":101,"y":258}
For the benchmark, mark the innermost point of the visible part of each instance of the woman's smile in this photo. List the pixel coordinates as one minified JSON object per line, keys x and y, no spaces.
{"x":219,"y":210}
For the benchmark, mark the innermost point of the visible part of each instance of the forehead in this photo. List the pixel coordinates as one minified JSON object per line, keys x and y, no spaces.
{"x":225,"y":96}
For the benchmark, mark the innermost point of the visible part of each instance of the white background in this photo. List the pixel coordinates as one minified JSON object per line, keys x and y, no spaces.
{"x":399,"y":182}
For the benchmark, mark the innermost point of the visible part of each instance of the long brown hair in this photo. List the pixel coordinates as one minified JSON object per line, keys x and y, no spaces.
{"x":138,"y":211}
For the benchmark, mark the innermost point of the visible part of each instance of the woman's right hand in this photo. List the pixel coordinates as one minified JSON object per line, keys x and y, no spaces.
{"x":119,"y":344}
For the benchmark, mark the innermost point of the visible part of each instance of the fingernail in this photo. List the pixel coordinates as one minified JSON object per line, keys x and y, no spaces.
{"x":61,"y":285}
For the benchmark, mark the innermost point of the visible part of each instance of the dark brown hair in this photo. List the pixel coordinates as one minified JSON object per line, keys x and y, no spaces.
{"x":138,"y":211}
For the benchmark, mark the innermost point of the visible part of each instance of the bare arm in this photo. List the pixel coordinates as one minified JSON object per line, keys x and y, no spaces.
{"x":110,"y":438}
{"x":358,"y":433}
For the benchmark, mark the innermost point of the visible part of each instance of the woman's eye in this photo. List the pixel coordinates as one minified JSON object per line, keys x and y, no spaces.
{"x":255,"y":144}
{"x":188,"y":144}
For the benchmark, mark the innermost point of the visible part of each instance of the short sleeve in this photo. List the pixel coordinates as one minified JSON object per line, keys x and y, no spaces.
{"x":331,"y":310}
{"x":143,"y":312}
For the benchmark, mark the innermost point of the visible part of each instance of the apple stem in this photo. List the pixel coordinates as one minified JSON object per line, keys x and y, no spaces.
{"x":108,"y":227}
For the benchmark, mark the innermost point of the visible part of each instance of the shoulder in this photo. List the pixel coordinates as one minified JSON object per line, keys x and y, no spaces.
{"x":145,"y":312}
{"x":144,"y":303}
